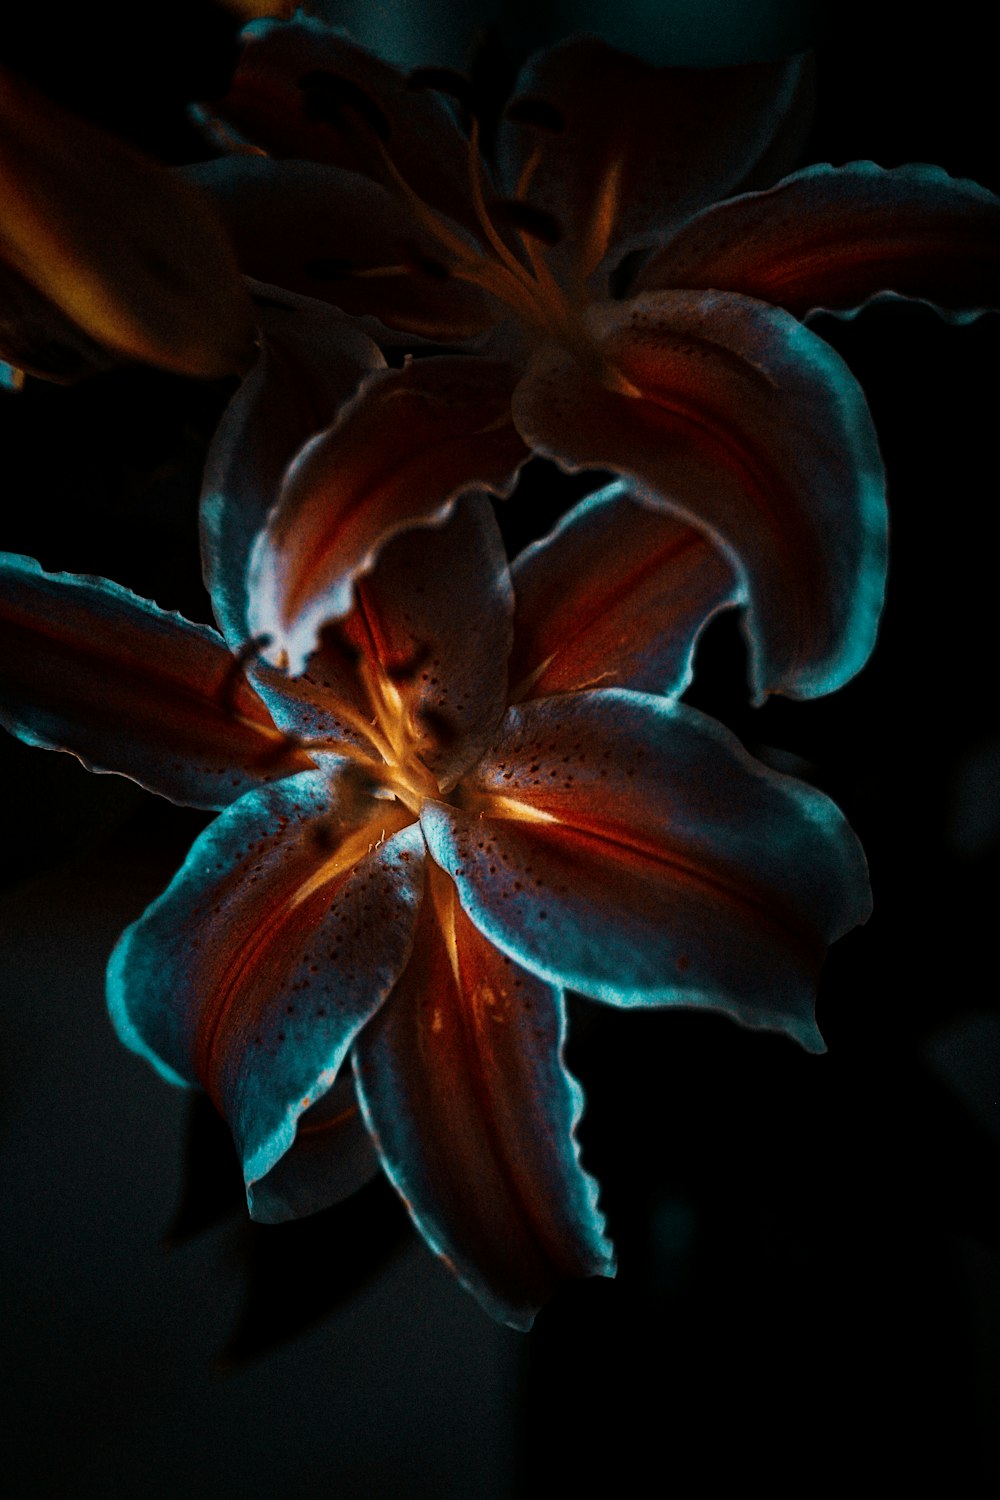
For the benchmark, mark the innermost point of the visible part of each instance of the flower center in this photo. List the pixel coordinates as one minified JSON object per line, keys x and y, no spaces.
{"x":504,"y":254}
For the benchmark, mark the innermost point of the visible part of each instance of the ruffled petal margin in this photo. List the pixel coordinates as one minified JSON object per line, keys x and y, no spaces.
{"x":832,"y":239}
{"x":278,"y":939}
{"x":398,"y":456}
{"x":615,"y":596}
{"x":311,"y":361}
{"x":629,"y":848}
{"x":747,"y":424}
{"x":88,"y":667}
{"x":331,"y":1157}
{"x":463,"y":1085}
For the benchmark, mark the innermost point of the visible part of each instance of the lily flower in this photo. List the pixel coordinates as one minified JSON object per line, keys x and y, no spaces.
{"x":482,"y":791}
{"x":631,"y":278}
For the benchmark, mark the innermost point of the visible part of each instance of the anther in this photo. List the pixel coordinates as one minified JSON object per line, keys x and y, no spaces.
{"x":528,"y":219}
{"x":328,"y":95}
{"x":538,"y":113}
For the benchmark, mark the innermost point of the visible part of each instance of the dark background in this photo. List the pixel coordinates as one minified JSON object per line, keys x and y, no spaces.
{"x":809,"y":1287}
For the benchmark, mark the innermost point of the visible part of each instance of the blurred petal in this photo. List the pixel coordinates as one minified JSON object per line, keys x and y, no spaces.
{"x":278,"y":939}
{"x":397,"y":457}
{"x":311,"y":361}
{"x":88,"y":667}
{"x":322,"y":231}
{"x":834,"y":238}
{"x":464,"y":1088}
{"x":128,"y":251}
{"x":631,"y":150}
{"x":627,"y":847}
{"x":304,"y":90}
{"x":748,"y":424}
{"x":615,"y":596}
{"x":331,"y":1157}
{"x":39,"y":338}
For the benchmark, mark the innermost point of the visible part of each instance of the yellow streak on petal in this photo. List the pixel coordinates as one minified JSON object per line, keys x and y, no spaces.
{"x":352,"y":849}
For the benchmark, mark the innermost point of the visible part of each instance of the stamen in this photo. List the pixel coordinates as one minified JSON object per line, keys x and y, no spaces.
{"x":528,"y":219}
{"x":527,"y":172}
{"x":604,"y":214}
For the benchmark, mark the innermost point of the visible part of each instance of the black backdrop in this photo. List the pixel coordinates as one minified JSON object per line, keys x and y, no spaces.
{"x":810,"y":1248}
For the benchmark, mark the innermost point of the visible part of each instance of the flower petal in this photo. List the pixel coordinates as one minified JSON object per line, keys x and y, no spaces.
{"x":128,"y":251}
{"x":88,"y":667}
{"x":331,"y":1157}
{"x":633,"y":150}
{"x":616,"y":595}
{"x":628,"y":847}
{"x":329,"y":233}
{"x":835,"y":238}
{"x":304,"y":90}
{"x":396,"y":457}
{"x":463,"y":1085}
{"x":279,"y":938}
{"x":433,"y":619}
{"x":40,"y":339}
{"x":311,"y":361}
{"x":748,"y":424}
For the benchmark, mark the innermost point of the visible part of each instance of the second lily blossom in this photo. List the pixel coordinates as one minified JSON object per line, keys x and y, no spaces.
{"x":627,"y":284}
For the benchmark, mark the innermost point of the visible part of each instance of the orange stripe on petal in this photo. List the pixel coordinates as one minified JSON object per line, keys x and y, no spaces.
{"x":88,"y":667}
{"x":659,"y":865}
{"x":397,"y":457}
{"x":834,"y":238}
{"x":282,"y":934}
{"x":752,"y":428}
{"x":615,"y":597}
{"x":462,"y":1080}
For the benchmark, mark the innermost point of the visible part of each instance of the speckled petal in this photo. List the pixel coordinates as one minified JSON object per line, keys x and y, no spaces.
{"x":616,"y":596}
{"x":462,"y":1082}
{"x":836,"y":238}
{"x":745,"y":423}
{"x":88,"y":667}
{"x":641,"y":148}
{"x":279,"y":938}
{"x":331,"y":1157}
{"x":311,"y":361}
{"x":397,"y":457}
{"x":628,"y":847}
